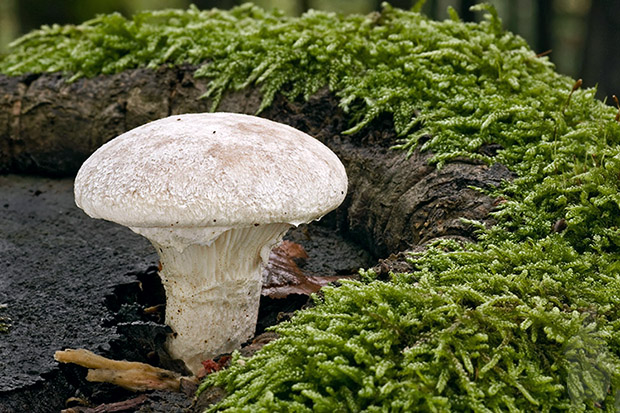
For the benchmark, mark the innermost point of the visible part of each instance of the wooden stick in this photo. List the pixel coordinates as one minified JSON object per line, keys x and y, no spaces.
{"x":130,"y":375}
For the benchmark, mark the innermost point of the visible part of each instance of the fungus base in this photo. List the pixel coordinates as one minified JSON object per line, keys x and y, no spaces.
{"x":213,"y":291}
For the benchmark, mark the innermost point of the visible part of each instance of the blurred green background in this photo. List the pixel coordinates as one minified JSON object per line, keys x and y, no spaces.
{"x":582,"y":37}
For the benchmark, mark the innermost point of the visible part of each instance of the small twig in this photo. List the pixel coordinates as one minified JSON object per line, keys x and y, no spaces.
{"x":153,"y":309}
{"x":576,"y":86}
{"x":541,"y":54}
{"x":615,"y":98}
{"x":130,"y":375}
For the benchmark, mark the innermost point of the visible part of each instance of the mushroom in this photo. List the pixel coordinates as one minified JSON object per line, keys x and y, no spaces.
{"x":213,"y":192}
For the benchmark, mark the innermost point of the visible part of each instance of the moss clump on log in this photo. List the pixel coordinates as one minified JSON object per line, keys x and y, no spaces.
{"x":528,"y":318}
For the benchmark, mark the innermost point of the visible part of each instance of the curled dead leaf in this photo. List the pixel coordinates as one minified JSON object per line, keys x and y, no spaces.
{"x":282,"y":275}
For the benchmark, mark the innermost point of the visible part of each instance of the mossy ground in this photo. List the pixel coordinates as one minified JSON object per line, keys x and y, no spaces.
{"x":528,"y":318}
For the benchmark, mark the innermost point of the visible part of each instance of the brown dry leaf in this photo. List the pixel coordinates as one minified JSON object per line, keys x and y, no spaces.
{"x":282,"y":276}
{"x":258,"y":343}
{"x":292,"y":250}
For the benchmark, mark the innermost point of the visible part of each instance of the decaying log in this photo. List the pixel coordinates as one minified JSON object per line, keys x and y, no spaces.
{"x":49,"y":126}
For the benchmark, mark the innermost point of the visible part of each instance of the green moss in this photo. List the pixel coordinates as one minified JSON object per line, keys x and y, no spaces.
{"x":527,"y":319}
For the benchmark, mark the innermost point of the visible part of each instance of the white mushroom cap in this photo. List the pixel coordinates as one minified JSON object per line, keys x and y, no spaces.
{"x":217,"y":170}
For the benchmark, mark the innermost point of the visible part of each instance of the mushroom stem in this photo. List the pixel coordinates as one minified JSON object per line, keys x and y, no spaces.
{"x":213,"y":291}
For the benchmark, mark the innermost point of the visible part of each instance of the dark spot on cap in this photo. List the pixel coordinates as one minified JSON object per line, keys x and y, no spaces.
{"x":256,"y":225}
